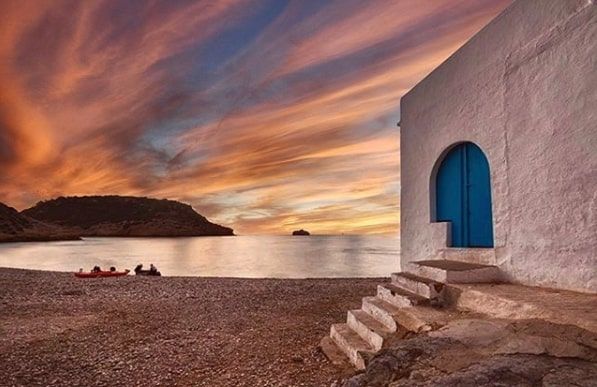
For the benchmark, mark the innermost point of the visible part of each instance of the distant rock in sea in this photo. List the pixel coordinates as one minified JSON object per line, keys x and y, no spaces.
{"x":301,"y":232}
{"x":15,"y":227}
{"x":124,"y":216}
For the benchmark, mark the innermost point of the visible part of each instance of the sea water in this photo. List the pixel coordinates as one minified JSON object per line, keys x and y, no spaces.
{"x":238,"y":256}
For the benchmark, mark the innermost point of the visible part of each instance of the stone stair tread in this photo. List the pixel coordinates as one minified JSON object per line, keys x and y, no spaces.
{"x":444,"y":264}
{"x":403,"y":292}
{"x":391,"y":309}
{"x":371,"y":322}
{"x":414,"y":277}
{"x":351,"y":337}
{"x":332,"y":352}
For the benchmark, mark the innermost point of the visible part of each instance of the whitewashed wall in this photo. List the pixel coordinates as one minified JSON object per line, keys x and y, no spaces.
{"x":525,"y":90}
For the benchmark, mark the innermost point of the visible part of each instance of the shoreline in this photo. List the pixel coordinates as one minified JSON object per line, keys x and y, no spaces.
{"x":132,"y":275}
{"x":40,"y":238}
{"x":82,"y":237}
{"x":211,"y":331}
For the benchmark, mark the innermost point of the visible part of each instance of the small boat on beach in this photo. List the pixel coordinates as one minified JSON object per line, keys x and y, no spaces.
{"x":153,"y":271}
{"x":149,"y":273}
{"x":97,"y":274}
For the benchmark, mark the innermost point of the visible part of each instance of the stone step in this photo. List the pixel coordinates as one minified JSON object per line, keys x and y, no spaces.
{"x":420,"y":318}
{"x":424,"y":287}
{"x":398,"y":296}
{"x":370,"y":330}
{"x":332,"y":352}
{"x":481,"y":256}
{"x":455,"y":272}
{"x":353,"y":346}
{"x":381,"y":310}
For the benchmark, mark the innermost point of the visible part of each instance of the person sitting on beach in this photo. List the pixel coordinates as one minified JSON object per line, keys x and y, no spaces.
{"x":152,"y":269}
{"x":112,"y":268}
{"x":96,"y":269}
{"x":138,"y":268}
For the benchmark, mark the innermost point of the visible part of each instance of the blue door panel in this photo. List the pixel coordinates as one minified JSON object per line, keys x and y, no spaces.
{"x":449,"y":194}
{"x":463,"y":196}
{"x":480,"y":231}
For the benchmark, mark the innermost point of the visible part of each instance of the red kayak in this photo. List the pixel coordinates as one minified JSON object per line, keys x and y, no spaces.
{"x":96,"y":274}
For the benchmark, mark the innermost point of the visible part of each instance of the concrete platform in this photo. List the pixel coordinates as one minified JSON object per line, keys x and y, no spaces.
{"x":525,"y":302}
{"x":455,"y":271}
{"x":481,"y":256}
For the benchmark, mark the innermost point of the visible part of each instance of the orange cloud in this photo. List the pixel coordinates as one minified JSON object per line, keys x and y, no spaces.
{"x":265,"y":119}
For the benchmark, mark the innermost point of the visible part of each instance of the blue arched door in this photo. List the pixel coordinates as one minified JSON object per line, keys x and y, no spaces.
{"x":463,"y":196}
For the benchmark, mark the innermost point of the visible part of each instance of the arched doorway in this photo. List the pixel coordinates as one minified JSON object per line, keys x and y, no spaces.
{"x":463,"y":196}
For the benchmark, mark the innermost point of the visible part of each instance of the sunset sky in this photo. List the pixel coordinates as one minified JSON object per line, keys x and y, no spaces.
{"x":266,"y":116}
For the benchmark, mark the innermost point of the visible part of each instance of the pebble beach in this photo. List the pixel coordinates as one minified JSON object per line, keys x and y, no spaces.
{"x":56,"y":329}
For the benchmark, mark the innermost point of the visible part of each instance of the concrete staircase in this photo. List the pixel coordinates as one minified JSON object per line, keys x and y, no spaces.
{"x":408,"y":303}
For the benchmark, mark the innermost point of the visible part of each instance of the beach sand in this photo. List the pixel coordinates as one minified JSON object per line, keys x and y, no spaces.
{"x":59,"y":330}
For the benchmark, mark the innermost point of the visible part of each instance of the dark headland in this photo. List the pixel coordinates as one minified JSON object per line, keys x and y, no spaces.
{"x":107,"y":216}
{"x":301,"y":232}
{"x":16,"y":227}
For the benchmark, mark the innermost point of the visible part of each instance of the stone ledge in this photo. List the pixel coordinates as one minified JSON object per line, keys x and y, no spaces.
{"x":525,"y":302}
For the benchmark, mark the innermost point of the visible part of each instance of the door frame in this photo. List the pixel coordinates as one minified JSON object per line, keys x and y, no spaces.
{"x":433,"y":193}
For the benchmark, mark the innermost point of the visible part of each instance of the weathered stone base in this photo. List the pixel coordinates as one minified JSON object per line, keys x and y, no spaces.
{"x":431,"y":297}
{"x":408,"y":304}
{"x":475,"y":352}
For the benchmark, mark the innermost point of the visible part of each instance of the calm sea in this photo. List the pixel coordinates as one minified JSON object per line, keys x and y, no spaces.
{"x":240,"y":256}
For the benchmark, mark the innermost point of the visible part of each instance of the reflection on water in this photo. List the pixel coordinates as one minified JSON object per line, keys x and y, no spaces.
{"x":240,"y":256}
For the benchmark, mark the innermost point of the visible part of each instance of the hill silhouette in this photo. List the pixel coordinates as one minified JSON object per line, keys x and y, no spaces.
{"x":15,"y":227}
{"x":124,"y":216}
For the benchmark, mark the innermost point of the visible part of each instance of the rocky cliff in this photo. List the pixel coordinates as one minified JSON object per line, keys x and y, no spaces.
{"x":124,"y":216}
{"x":15,"y":227}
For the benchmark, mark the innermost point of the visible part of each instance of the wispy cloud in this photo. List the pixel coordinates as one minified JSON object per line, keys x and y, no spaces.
{"x":265,"y":115}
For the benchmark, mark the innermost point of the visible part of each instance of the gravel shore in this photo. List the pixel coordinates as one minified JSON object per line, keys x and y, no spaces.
{"x":170,"y":331}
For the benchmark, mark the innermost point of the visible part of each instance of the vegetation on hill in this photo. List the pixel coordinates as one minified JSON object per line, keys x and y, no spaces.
{"x":15,"y":227}
{"x":124,"y":216}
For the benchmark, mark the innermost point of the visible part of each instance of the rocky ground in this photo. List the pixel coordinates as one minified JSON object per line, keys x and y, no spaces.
{"x":486,"y":352}
{"x":59,"y":330}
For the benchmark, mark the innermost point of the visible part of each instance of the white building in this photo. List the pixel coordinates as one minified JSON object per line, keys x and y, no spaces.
{"x":499,"y":149}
